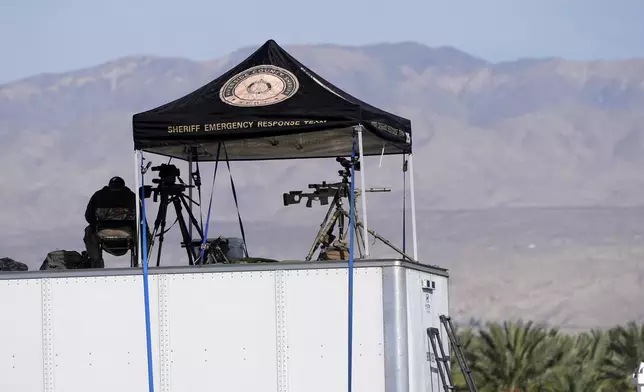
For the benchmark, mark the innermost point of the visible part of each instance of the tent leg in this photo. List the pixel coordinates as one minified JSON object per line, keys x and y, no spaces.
{"x":365,"y":234}
{"x":137,"y":173}
{"x":412,"y":191}
{"x":190,"y":191}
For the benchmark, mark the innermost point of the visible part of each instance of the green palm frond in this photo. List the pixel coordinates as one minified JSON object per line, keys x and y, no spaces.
{"x":527,"y":357}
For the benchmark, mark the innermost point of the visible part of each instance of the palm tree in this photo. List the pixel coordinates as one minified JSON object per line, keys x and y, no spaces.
{"x":581,"y":368}
{"x":517,"y":356}
{"x":468,"y":341}
{"x":524,"y":357}
{"x":626,"y":349}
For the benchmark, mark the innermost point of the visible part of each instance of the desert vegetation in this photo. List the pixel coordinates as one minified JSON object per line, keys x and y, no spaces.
{"x":527,"y":357}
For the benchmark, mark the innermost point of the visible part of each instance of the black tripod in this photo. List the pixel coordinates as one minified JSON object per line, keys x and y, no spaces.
{"x":336,"y":215}
{"x":168,"y":191}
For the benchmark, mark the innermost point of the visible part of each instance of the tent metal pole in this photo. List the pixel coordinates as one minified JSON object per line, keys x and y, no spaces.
{"x":365,"y":234}
{"x":190,"y":191}
{"x":137,"y":173}
{"x":412,"y":191}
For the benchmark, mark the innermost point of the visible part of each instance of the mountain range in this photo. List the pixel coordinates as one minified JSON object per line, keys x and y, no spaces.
{"x":529,"y":181}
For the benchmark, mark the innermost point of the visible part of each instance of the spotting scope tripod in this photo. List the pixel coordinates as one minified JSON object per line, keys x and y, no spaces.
{"x":168,"y":191}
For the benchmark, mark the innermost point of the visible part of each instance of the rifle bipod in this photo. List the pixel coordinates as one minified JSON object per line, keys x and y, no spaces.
{"x":443,"y":361}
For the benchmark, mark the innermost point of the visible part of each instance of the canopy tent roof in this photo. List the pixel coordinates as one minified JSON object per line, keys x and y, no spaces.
{"x":270,"y":106}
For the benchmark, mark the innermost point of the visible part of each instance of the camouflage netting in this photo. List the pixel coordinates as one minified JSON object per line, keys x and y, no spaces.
{"x":65,"y":259}
{"x":8,"y":264}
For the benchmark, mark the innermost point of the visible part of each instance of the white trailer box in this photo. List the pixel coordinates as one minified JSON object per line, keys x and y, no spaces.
{"x":252,"y":327}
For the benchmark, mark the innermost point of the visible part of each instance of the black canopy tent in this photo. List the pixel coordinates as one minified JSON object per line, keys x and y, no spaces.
{"x":271,"y":106}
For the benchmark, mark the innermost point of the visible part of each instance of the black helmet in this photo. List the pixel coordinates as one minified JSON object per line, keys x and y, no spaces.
{"x":116,"y":183}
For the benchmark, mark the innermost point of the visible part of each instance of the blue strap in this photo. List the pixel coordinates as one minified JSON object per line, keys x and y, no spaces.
{"x":212,"y":191}
{"x":146,"y":288}
{"x":351,"y":256}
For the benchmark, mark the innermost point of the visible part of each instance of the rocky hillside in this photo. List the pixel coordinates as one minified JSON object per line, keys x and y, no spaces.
{"x":537,"y":133}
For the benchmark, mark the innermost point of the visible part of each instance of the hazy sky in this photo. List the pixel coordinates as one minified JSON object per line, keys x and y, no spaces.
{"x":57,"y":35}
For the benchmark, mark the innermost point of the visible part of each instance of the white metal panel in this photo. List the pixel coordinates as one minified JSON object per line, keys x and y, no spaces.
{"x":440,"y":305}
{"x":394,"y":292}
{"x":21,"y":351}
{"x":424,"y":308}
{"x":434,"y":307}
{"x":280,"y":330}
{"x":280,"y":323}
{"x":416,"y":335}
{"x":316,"y":330}
{"x":223,"y":331}
{"x":429,"y":317}
{"x":98,"y":330}
{"x":164,"y":361}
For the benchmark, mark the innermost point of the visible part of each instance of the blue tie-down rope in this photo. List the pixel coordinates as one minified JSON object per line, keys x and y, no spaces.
{"x":351,"y":240}
{"x":146,"y":289}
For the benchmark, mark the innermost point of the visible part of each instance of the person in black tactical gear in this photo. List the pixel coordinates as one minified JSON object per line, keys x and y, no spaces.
{"x":115,"y":204}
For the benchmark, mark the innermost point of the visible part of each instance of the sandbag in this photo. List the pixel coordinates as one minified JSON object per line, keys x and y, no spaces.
{"x":8,"y":264}
{"x":65,"y":259}
{"x":334,"y":253}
